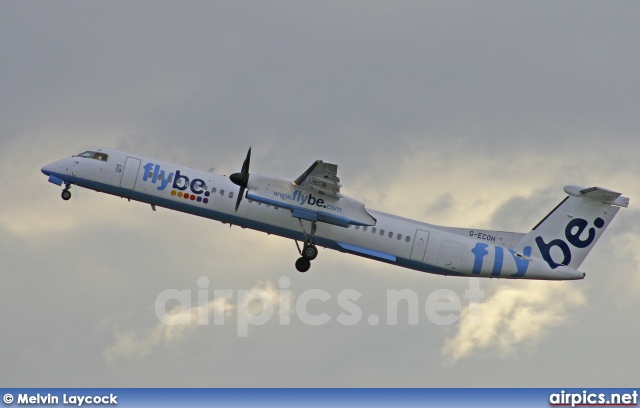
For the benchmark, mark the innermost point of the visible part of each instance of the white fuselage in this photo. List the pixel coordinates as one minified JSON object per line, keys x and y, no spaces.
{"x":395,"y":240}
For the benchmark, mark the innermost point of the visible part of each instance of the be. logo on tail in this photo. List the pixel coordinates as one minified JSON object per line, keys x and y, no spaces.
{"x":572,"y":232}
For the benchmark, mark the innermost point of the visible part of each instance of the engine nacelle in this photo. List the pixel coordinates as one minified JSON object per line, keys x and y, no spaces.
{"x":307,"y":204}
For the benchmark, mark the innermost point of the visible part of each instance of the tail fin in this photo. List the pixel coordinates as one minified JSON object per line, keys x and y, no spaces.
{"x":567,"y":234}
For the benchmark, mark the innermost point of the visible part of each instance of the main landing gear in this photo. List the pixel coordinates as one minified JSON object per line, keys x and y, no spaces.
{"x":66,"y":194}
{"x":309,"y":250}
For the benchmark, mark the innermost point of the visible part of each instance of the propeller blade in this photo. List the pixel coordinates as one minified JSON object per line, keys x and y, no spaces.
{"x":242,"y":179}
{"x":239,"y":198}
{"x":245,"y":165}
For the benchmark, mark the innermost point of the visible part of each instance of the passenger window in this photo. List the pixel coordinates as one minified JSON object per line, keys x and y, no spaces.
{"x":381,"y":232}
{"x":213,"y":190}
{"x":399,"y":237}
{"x":230,"y":194}
{"x":170,"y":179}
{"x":390,"y":234}
{"x":408,"y":238}
{"x":221,"y":192}
{"x":373,"y":230}
{"x":357,"y":227}
{"x":365,"y":228}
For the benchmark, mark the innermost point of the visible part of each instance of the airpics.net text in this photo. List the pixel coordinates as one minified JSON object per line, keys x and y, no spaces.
{"x":264,"y":303}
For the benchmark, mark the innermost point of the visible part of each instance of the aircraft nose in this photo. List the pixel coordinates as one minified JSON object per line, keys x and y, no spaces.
{"x":54,"y":167}
{"x":47,"y":169}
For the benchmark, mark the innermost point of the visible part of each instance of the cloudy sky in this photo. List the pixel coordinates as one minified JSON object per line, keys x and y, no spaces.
{"x":458,"y":113}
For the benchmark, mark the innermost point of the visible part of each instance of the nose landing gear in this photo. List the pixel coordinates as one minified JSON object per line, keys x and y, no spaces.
{"x":66,"y":194}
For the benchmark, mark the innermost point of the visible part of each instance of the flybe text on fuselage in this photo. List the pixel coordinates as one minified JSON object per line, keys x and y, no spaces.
{"x":180,"y":182}
{"x":479,"y":251}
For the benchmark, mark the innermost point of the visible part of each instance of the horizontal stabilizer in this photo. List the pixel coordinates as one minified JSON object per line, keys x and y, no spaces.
{"x":600,"y":194}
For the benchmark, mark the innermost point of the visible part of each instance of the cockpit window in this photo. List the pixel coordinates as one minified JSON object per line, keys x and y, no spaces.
{"x":94,"y":155}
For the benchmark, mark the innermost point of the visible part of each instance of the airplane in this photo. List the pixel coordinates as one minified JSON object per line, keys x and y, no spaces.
{"x":312,"y":209}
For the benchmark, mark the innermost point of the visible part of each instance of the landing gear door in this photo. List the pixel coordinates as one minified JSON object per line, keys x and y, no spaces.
{"x":419,"y":245}
{"x":130,"y":173}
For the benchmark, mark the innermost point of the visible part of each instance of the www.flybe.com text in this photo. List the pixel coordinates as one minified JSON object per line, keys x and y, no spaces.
{"x":303,"y":199}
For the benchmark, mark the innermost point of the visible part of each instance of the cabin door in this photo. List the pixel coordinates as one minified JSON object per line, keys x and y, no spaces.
{"x":130,"y":173}
{"x":419,"y":245}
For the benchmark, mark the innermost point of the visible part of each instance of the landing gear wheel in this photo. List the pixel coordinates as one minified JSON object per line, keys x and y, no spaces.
{"x":310,"y":252}
{"x":303,"y":264}
{"x":66,"y":195}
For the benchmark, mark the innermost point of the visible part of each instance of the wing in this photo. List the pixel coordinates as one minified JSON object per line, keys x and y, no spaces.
{"x":321,"y":178}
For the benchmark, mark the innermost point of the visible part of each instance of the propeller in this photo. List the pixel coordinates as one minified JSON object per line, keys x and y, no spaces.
{"x":242,"y":179}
